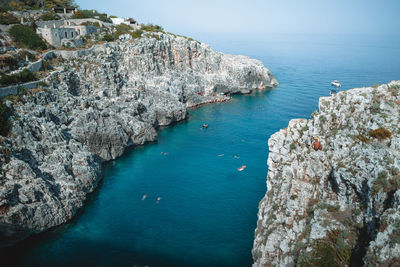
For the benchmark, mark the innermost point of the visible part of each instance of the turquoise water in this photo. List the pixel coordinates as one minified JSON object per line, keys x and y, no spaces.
{"x":208,"y":209}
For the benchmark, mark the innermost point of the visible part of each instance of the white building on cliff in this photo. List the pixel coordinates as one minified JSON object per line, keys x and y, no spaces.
{"x":64,"y":32}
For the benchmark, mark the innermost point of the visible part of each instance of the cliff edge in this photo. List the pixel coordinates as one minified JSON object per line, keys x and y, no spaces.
{"x":95,"y":104}
{"x":338,"y":206}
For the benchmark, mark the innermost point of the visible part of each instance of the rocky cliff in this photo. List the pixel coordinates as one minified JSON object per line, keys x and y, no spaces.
{"x":93,"y":108}
{"x":339,"y":206}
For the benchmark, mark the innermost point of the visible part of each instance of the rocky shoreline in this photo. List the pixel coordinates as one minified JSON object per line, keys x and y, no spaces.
{"x":96,"y":106}
{"x":339,"y":206}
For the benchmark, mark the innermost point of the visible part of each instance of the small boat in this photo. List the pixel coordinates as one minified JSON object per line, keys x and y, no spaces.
{"x":336,"y":83}
{"x":242,"y":168}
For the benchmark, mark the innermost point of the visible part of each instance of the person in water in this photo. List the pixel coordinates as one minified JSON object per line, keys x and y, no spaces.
{"x":204,"y":126}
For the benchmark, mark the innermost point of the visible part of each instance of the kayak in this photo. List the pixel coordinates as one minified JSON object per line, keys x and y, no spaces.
{"x":242,"y":168}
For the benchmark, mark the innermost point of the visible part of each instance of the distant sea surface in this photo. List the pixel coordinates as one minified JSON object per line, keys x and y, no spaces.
{"x":207,"y":211}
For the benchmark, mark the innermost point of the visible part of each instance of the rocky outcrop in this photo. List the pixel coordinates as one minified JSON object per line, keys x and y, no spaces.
{"x":96,"y":105}
{"x":339,"y":206}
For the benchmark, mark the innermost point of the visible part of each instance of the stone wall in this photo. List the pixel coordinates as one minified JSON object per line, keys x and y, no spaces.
{"x":13,"y":89}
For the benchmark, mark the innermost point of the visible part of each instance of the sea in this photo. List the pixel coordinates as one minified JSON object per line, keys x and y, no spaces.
{"x":181,"y":201}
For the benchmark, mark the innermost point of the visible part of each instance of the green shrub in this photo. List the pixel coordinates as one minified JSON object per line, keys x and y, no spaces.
{"x":45,"y":65}
{"x":85,"y":14}
{"x":5,"y":124}
{"x":108,"y":38}
{"x":155,"y":36}
{"x":34,"y":4}
{"x":8,"y":18}
{"x":49,"y":16}
{"x":22,"y":77}
{"x":26,"y":37}
{"x":136,"y":34}
{"x":9,"y":61}
{"x":121,"y":29}
{"x":152,"y":28}
{"x":329,"y":251}
{"x":90,"y":23}
{"x":23,"y":54}
{"x":362,"y":138}
{"x":292,"y":146}
{"x":394,"y":90}
{"x":380,"y":133}
{"x":381,"y":183}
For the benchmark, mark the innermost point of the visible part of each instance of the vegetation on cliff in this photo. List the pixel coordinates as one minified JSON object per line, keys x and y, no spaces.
{"x":20,"y":5}
{"x":26,"y":37}
{"x":4,"y":122}
{"x":21,"y":77}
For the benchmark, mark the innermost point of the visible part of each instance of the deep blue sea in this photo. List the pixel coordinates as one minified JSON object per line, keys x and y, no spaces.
{"x":208,"y":209}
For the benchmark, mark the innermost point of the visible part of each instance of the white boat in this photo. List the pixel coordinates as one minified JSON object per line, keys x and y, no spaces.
{"x":336,"y":83}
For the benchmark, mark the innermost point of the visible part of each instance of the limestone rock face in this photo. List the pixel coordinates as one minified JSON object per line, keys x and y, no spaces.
{"x":98,"y":103}
{"x":338,"y":206}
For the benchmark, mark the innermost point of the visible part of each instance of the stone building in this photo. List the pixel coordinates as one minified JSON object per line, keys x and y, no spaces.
{"x":63,"y":32}
{"x":64,"y":10}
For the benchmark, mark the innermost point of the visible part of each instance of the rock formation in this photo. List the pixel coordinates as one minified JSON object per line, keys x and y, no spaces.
{"x":339,"y":206}
{"x":94,"y":107}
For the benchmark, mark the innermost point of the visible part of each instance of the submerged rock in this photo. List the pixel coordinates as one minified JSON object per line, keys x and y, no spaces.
{"x":97,"y":104}
{"x":339,"y":206}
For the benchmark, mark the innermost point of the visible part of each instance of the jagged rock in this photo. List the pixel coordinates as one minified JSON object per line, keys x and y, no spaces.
{"x":340,"y":205}
{"x":105,"y":99}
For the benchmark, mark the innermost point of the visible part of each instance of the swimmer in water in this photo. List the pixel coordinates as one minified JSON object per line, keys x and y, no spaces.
{"x":158,"y":199}
{"x":144,"y":196}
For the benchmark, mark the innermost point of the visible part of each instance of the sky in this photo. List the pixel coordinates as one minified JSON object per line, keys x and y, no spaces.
{"x":368,"y":17}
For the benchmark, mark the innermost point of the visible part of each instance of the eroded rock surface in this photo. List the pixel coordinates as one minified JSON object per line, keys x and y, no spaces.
{"x":96,"y":106}
{"x":339,"y":206}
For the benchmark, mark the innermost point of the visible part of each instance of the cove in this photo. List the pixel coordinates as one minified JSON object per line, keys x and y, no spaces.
{"x":207,"y":212}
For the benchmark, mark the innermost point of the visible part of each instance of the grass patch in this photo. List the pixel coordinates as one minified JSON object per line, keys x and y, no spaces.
{"x":8,"y":18}
{"x":49,"y":16}
{"x":362,"y":138}
{"x":90,"y":23}
{"x":108,"y":38}
{"x":381,"y":183}
{"x":394,"y":90}
{"x":8,"y":61}
{"x":18,"y":97}
{"x":376,"y":104}
{"x":26,"y":37}
{"x":118,"y":31}
{"x":380,"y":134}
{"x":151,"y":28}
{"x":329,"y":251}
{"x":136,"y":34}
{"x":22,"y":77}
{"x":292,"y":146}
{"x":155,"y":36}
